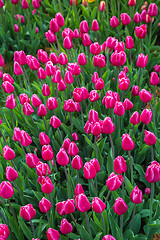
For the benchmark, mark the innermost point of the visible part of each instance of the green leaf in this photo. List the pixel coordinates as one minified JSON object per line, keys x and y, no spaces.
{"x":142,"y":174}
{"x":77,"y":124}
{"x":106,"y":222}
{"x":89,"y":141}
{"x":136,"y":223}
{"x":110,"y":162}
{"x":84,"y":234}
{"x":25,"y":229}
{"x":98,"y":236}
{"x":73,"y":236}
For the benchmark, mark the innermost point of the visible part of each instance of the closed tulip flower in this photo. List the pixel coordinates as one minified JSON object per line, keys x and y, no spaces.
{"x":66,"y":144}
{"x":44,"y":205}
{"x":17,"y":134}
{"x":89,"y":170}
{"x":119,"y":165}
{"x":69,"y":105}
{"x":79,"y":189}
{"x":62,"y":86}
{"x":47,"y":185}
{"x":146,"y":116}
{"x":136,"y":195}
{"x":153,"y":172}
{"x":150,"y":138}
{"x":128,"y":104}
{"x":102,"y":5}
{"x":86,"y":41}
{"x":95,"y":25}
{"x":111,"y":42}
{"x":53,"y":58}
{"x":108,"y":237}
{"x":95,"y":48}
{"x":54,"y":27}
{"x":11,"y":174}
{"x":152,"y":10}
{"x":119,"y":47}
{"x":118,"y":58}
{"x":141,"y":31}
{"x":78,"y":95}
{"x":27,"y":212}
{"x":46,"y":90}
{"x":74,"y":68}
{"x":69,"y":206}
{"x":63,"y":60}
{"x":25,"y":139}
{"x":2,"y":63}
{"x":120,"y":207}
{"x":60,"y":19}
{"x":108,"y":126}
{"x":125,"y":19}
{"x":42,"y":111}
{"x":52,"y":234}
{"x":77,"y":162}
{"x":82,"y":203}
{"x":62,"y":157}
{"x":99,"y":61}
{"x":36,"y":101}
{"x":24,"y":98}
{"x":10,"y":102}
{"x":93,"y":96}
{"x":154,"y":79}
{"x":88,"y":127}
{"x":52,"y":103}
{"x":137,"y":18}
{"x":93,"y":116}
{"x":32,"y":160}
{"x":75,"y":136}
{"x":131,"y":3}
{"x":135,"y":90}
{"x":44,"y":139}
{"x":4,"y":231}
{"x":95,"y":163}
{"x":67,"y":43}
{"x":114,"y":181}
{"x":99,"y":84}
{"x":135,"y":118}
{"x":8,"y":87}
{"x":119,"y":108}
{"x":55,"y":122}
{"x":156,"y":68}
{"x":65,"y":227}
{"x":6,"y":190}
{"x":7,"y":77}
{"x":73,"y":149}
{"x":142,"y":60}
{"x":68,"y":77}
{"x":8,"y":153}
{"x":82,"y":60}
{"x":60,"y":208}
{"x":98,"y":205}
{"x":47,"y":153}
{"x":114,"y":22}
{"x":27,"y":109}
{"x":41,"y":73}
{"x":51,"y":37}
{"x":124,"y":83}
{"x":96,"y":129}
{"x":42,"y":169}
{"x":127,"y":142}
{"x":145,"y":96}
{"x":129,"y":42}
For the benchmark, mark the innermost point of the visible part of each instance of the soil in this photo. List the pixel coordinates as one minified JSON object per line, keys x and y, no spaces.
{"x":156,"y":236}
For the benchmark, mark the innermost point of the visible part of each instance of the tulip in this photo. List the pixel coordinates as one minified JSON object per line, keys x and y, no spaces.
{"x":62,"y":157}
{"x":142,"y":60}
{"x":93,"y":96}
{"x":145,"y":96}
{"x":82,"y":203}
{"x":54,"y":27}
{"x":135,"y":118}
{"x":73,"y":149}
{"x":82,"y":60}
{"x":114,"y":181}
{"x":152,"y":10}
{"x":127,"y":142}
{"x":6,"y":190}
{"x":96,"y":129}
{"x":52,"y":234}
{"x":1,"y":4}
{"x":53,"y":58}
{"x":66,"y":144}
{"x":25,"y":139}
{"x":114,"y":22}
{"x":119,"y":165}
{"x":42,"y":169}
{"x":150,"y":138}
{"x":99,"y":84}
{"x":131,"y":3}
{"x":102,"y":6}
{"x":156,"y":68}
{"x":4,"y":231}
{"x":136,"y":195}
{"x":108,"y":237}
{"x":25,"y":4}
{"x":44,"y":205}
{"x":11,"y":174}
{"x":153,"y":172}
{"x":24,"y":98}
{"x":124,"y":84}
{"x":118,"y":58}
{"x":46,"y":90}
{"x":108,"y":126}
{"x":55,"y":122}
{"x":69,"y":105}
{"x":154,"y":79}
{"x":95,"y":25}
{"x":52,"y":103}
{"x":47,"y":185}
{"x":135,"y":90}
{"x":137,"y":18}
{"x":16,"y":28}
{"x":111,"y":42}
{"x":95,"y":48}
{"x":41,"y":73}
{"x":65,"y":227}
{"x":86,"y":41}
{"x":120,"y":207}
{"x":47,"y":153}
{"x":10,"y":102}
{"x":7,"y":77}
{"x":95,"y":163}
{"x":8,"y":87}
{"x":67,"y":43}
{"x":69,"y":206}
{"x":89,"y":170}
{"x":50,"y":69}
{"x":32,"y":160}
{"x":27,"y":109}
{"x":79,"y":189}
{"x":93,"y":116}
{"x":32,"y":62}
{"x":44,"y":139}
{"x":141,"y":31}
{"x":74,"y":68}
{"x":88,"y":127}
{"x":60,"y":19}
{"x":60,"y":208}
{"x":129,"y":42}
{"x":36,"y":101}
{"x":147,"y":191}
{"x":97,"y":205}
{"x":119,"y":47}
{"x":36,"y":4}
{"x":99,"y":61}
{"x":73,"y":2}
{"x":119,"y":108}
{"x":17,"y":134}
{"x":27,"y":212}
{"x":75,"y":136}
{"x":42,"y":111}
{"x":8,"y":153}
{"x":125,"y":19}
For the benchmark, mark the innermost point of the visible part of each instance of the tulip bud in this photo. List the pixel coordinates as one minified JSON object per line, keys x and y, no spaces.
{"x":93,"y":96}
{"x":27,"y":212}
{"x":118,"y":58}
{"x":66,"y":144}
{"x":79,"y":189}
{"x":156,"y":69}
{"x":119,"y":165}
{"x":52,"y":234}
{"x":73,"y":149}
{"x":41,"y":73}
{"x":125,"y":19}
{"x":11,"y":174}
{"x":97,"y":205}
{"x":24,"y":98}
{"x":25,"y":4}
{"x":146,"y":116}
{"x":89,"y":170}
{"x":95,"y":163}
{"x":44,"y":205}
{"x":114,"y":181}
{"x":127,"y":142}
{"x":95,"y":25}
{"x":43,"y":169}
{"x":69,"y":105}
{"x":154,"y":79}
{"x":55,"y":122}
{"x":6,"y":190}
{"x":73,"y":2}
{"x":17,"y":134}
{"x":153,"y":172}
{"x":27,"y":109}
{"x":129,"y":42}
{"x":93,"y":116}
{"x":141,"y":31}
{"x":128,"y":104}
{"x":8,"y":87}
{"x":52,"y":103}
{"x":137,"y":18}
{"x":142,"y":60}
{"x":96,"y":129}
{"x":25,"y":139}
{"x":69,"y":206}
{"x":145,"y":96}
{"x":32,"y":160}
{"x":77,"y":162}
{"x":120,"y":207}
{"x":7,"y":77}
{"x":86,"y":41}
{"x":16,"y":28}
{"x":119,"y":108}
{"x":44,"y":139}
{"x":114,"y":22}
{"x":47,"y":153}
{"x":152,"y":10}
{"x":65,"y":227}
{"x":108,"y":126}
{"x":42,"y":111}
{"x":135,"y":90}
{"x":10,"y":102}
{"x":147,"y":190}
{"x":131,"y":3}
{"x":62,"y":59}
{"x":150,"y":138}
{"x":82,"y":203}
{"x":60,"y":19}
{"x":84,"y":28}
{"x":47,"y":185}
{"x":75,"y":136}
{"x":102,"y":5}
{"x":54,"y":27}
{"x":67,"y":43}
{"x":62,"y":157}
{"x":82,"y":60}
{"x":4,"y":230}
{"x":46,"y":90}
{"x":53,"y":58}
{"x":136,"y":195}
{"x":88,"y":127}
{"x":108,"y":237}
{"x":135,"y":118}
{"x":35,"y":100}
{"x":8,"y":153}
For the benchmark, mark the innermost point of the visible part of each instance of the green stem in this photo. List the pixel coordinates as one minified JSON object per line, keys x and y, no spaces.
{"x":12,"y":119}
{"x":112,"y":146}
{"x":151,"y":201}
{"x":74,"y":220}
{"x":88,"y":225}
{"x":44,"y":123}
{"x":132,"y":130}
{"x":5,"y":220}
{"x":139,"y":77}
{"x":33,"y":230}
{"x":152,"y":154}
{"x":121,"y":226}
{"x":154,"y":118}
{"x":133,"y":214}
{"x":104,"y":227}
{"x":96,"y":147}
{"x":131,"y":166}
{"x":107,"y":196}
{"x":142,"y":133}
{"x":14,"y":216}
{"x":141,"y":45}
{"x":150,"y":35}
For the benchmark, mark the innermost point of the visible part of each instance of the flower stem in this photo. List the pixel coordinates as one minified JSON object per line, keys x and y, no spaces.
{"x":12,"y":119}
{"x":132,"y":130}
{"x":96,"y":147}
{"x":112,"y":146}
{"x":142,"y":133}
{"x":10,"y":206}
{"x":44,"y":123}
{"x":33,"y":230}
{"x":133,"y":214}
{"x":152,"y":154}
{"x":5,"y":220}
{"x":151,"y":202}
{"x":104,"y":227}
{"x":139,"y":77}
{"x":121,"y":226}
{"x":131,"y":166}
{"x":107,"y":196}
{"x":74,"y":220}
{"x":88,"y":225}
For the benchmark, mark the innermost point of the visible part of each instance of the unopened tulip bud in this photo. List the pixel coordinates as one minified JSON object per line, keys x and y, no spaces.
{"x":125,"y":19}
{"x":52,"y":234}
{"x":6,"y":190}
{"x":8,"y":153}
{"x":82,"y":203}
{"x":65,"y":227}
{"x":137,"y":18}
{"x":153,"y":172}
{"x":145,"y":96}
{"x":11,"y":174}
{"x":154,"y":79}
{"x":46,"y":90}
{"x":27,"y":109}
{"x":136,"y":195}
{"x":98,"y":205}
{"x":114,"y":22}
{"x":114,"y":181}
{"x":62,"y":157}
{"x":44,"y":139}
{"x":27,"y":212}
{"x":120,"y":207}
{"x":36,"y":101}
{"x":47,"y":185}
{"x":152,"y":10}
{"x":79,"y":189}
{"x":119,"y":165}
{"x":44,"y":205}
{"x":10,"y":102}
{"x":32,"y":160}
{"x":47,"y":153}
{"x":69,"y":206}
{"x":150,"y":138}
{"x":127,"y":142}
{"x":142,"y":60}
{"x":42,"y":111}
{"x":89,"y":170}
{"x":135,"y":90}
{"x":95,"y":25}
{"x":141,"y":31}
{"x":135,"y":118}
{"x":128,"y":104}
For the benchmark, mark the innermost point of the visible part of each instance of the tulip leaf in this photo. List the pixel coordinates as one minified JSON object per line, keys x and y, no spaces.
{"x":136,"y":223}
{"x":110,"y":162}
{"x":142,"y":174}
{"x":73,"y":236}
{"x":98,"y":235}
{"x":89,"y":141}
{"x":84,"y":234}
{"x":25,"y":229}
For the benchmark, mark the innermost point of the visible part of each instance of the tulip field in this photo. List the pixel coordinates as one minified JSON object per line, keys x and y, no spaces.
{"x":79,"y":120}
